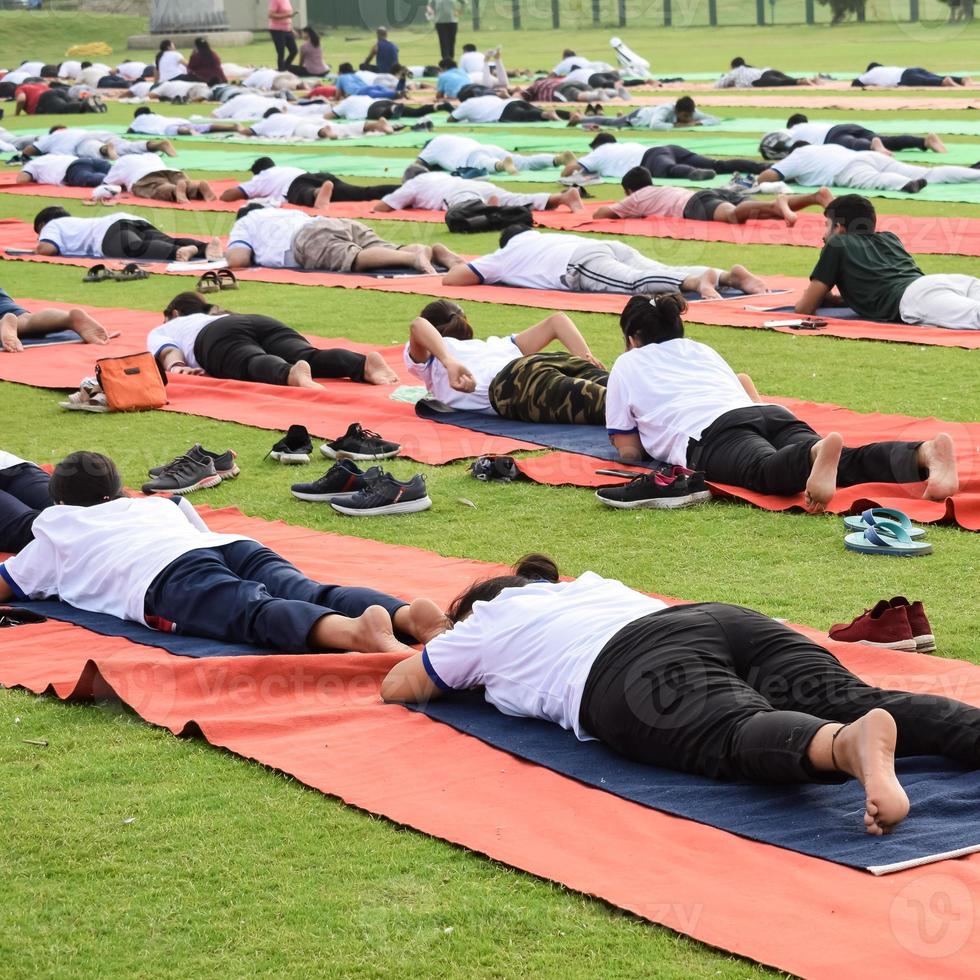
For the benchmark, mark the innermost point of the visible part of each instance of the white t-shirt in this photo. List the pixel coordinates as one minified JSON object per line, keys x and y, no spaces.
{"x":353,"y":107}
{"x":192,"y":91}
{"x":180,"y":332}
{"x":273,"y":182}
{"x":104,"y":558}
{"x":484,"y":108}
{"x":92,"y":75}
{"x":70,"y":70}
{"x":32,"y":67}
{"x":814,"y":166}
{"x":530,"y":259}
{"x":580,"y":75}
{"x":132,"y":71}
{"x":9,"y":459}
{"x":449,"y":152}
{"x":485,"y":359}
{"x":153,"y":124}
{"x":613,"y":159}
{"x":884,"y":76}
{"x":438,"y":191}
{"x":63,"y":140}
{"x":811,"y":132}
{"x":49,"y":168}
{"x":569,"y":64}
{"x":81,"y":236}
{"x":281,"y":125}
{"x":741,"y":77}
{"x":171,"y":64}
{"x":269,"y":233}
{"x":247,"y":106}
{"x":472,"y":62}
{"x":532,"y":648}
{"x":261,"y":78}
{"x":670,"y":393}
{"x":17,"y":76}
{"x":141,"y":90}
{"x":130,"y":168}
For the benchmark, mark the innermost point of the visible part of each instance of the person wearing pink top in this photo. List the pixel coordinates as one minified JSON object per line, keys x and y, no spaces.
{"x":281,"y":16}
{"x":645,"y":199}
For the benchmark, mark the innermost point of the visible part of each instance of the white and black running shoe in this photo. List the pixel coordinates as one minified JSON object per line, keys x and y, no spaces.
{"x":360,"y":444}
{"x":655,"y":490}
{"x":343,"y":478}
{"x":385,"y":495}
{"x":193,"y":471}
{"x":294,"y":447}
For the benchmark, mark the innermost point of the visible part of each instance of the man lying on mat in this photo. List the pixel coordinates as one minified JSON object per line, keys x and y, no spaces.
{"x":743,"y":75}
{"x":731,"y":207}
{"x":114,"y":236}
{"x":149,"y":123}
{"x":799,"y":129}
{"x":681,"y":114}
{"x":200,"y":338}
{"x":277,"y":239}
{"x":711,"y":689}
{"x":84,"y":143}
{"x":63,"y":170}
{"x":146,"y":175}
{"x":591,"y":265}
{"x":879,"y":280}
{"x":276,"y":124}
{"x":16,"y":322}
{"x":159,"y":565}
{"x":23,"y":495}
{"x":678,"y":401}
{"x":889,"y":76}
{"x":507,"y":376}
{"x":450,"y":153}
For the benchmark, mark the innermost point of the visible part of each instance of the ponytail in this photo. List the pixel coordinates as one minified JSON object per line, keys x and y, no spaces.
{"x":185,"y":304}
{"x":448,"y":318}
{"x":653,"y":319}
{"x":531,"y":568}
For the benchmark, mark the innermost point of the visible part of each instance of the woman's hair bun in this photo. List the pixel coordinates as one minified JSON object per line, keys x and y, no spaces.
{"x":535,"y":566}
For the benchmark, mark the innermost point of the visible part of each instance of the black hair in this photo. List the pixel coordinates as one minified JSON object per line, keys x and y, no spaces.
{"x":738,"y":63}
{"x":381,"y":31}
{"x":165,"y":45}
{"x":874,"y":64}
{"x":56,"y":127}
{"x":48,"y":214}
{"x":854,"y":212}
{"x":684,"y":104}
{"x":263,"y":163}
{"x":85,"y":479}
{"x":511,"y":231}
{"x":448,"y":318}
{"x":148,"y":72}
{"x":531,"y":568}
{"x":653,"y":319}
{"x":795,"y":120}
{"x":49,"y":71}
{"x":345,"y":69}
{"x":142,"y":111}
{"x":636,"y":178}
{"x":469,"y":47}
{"x":447,"y":63}
{"x":184,"y":304}
{"x":602,"y":139}
{"x":313,"y":36}
{"x":201,"y":43}
{"x":248,"y":209}
{"x":85,"y":64}
{"x":567,"y":53}
{"x":270,"y":112}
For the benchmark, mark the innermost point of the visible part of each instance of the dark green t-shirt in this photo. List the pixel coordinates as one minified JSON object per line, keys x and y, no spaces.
{"x":871,"y":272}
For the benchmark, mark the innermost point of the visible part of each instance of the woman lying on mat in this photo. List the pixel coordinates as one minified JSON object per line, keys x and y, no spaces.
{"x":200,"y":338}
{"x":711,"y":689}
{"x":23,"y":495}
{"x":16,"y":322}
{"x":158,"y":564}
{"x":508,"y":376}
{"x":677,"y":400}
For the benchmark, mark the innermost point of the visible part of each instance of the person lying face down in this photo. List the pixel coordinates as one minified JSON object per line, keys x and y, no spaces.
{"x":159,"y":565}
{"x":596,"y":657}
{"x":17,"y":323}
{"x":507,"y":376}
{"x":199,"y":338}
{"x":23,"y":495}
{"x":678,"y":401}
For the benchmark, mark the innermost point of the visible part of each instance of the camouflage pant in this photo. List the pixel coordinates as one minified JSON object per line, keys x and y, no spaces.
{"x":551,"y":388}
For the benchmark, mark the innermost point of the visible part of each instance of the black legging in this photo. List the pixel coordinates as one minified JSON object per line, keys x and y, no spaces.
{"x":520,"y":111}
{"x":304,"y":189}
{"x":675,"y":161}
{"x":447,"y":39}
{"x":259,"y":348}
{"x":129,"y":239}
{"x":473,"y":91}
{"x":285,"y":41}
{"x":604,"y":79}
{"x":773,"y":79}
{"x":23,"y":495}
{"x":389,"y":109}
{"x":765,"y":448}
{"x":56,"y":101}
{"x":856,"y":137}
{"x":729,"y":693}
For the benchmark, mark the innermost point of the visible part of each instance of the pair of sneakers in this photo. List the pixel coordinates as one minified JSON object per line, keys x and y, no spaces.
{"x":895,"y":624}
{"x":197,"y":469}
{"x":666,"y":488}
{"x":365,"y":493}
{"x":356,"y":443}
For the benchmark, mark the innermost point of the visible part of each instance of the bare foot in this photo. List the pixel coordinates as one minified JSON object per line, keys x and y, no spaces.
{"x":879,"y":147}
{"x":493,"y":200}
{"x":8,"y":334}
{"x":550,"y":115}
{"x":789,"y":216}
{"x":371,"y":632}
{"x":422,"y":618}
{"x":185,"y":253}
{"x":376,"y":370}
{"x":564,"y":158}
{"x":206,"y":192}
{"x":741,"y":278}
{"x":938,"y":456}
{"x":865,"y":749}
{"x":573,"y":198}
{"x":423,"y":260}
{"x":166,"y":148}
{"x":934,"y":143}
{"x":180,"y":192}
{"x":110,"y":152}
{"x":822,"y":483}
{"x":214,"y":251}
{"x":824,"y":196}
{"x":444,"y":257}
{"x":89,"y":329}
{"x":301,"y":376}
{"x":324,"y":194}
{"x":948,"y":82}
{"x":507,"y":165}
{"x":707,"y":287}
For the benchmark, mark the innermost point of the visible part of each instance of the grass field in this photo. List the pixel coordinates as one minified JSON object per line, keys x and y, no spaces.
{"x":230,"y":869}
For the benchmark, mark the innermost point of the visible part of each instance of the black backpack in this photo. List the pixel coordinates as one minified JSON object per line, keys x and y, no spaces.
{"x":476,"y":216}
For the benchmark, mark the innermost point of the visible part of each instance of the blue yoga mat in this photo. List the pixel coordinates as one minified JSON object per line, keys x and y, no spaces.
{"x":837,"y":312}
{"x":821,"y":820}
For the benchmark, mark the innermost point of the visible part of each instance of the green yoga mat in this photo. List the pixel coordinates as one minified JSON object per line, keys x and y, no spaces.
{"x":873,"y":121}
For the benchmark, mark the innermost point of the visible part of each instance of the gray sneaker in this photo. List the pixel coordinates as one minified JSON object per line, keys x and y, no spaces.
{"x":224,"y":463}
{"x":385,"y":495}
{"x":193,"y":471}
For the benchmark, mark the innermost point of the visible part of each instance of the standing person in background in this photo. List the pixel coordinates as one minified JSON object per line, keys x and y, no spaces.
{"x":445,"y":14}
{"x":281,"y":16}
{"x":383,"y":56}
{"x":205,"y":65}
{"x":170,"y":62}
{"x":311,"y":63}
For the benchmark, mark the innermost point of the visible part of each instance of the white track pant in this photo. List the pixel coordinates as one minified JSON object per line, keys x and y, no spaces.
{"x":613,"y":267}
{"x":951,"y":301}
{"x":875,"y":170}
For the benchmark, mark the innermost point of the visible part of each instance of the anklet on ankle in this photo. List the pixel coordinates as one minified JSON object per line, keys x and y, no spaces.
{"x":833,"y":747}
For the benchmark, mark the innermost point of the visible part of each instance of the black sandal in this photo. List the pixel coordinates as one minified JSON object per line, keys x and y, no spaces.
{"x":130,"y":272}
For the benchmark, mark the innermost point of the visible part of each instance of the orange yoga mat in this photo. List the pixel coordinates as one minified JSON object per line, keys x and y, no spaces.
{"x":319,"y":719}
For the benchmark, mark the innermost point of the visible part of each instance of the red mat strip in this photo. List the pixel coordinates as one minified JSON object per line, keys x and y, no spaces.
{"x":319,"y":719}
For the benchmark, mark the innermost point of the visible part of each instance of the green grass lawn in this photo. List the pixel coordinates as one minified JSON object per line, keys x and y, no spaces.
{"x":230,"y":869}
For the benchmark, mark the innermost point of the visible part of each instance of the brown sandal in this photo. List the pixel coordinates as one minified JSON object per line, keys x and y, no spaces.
{"x":209,"y":282}
{"x":227,"y":279}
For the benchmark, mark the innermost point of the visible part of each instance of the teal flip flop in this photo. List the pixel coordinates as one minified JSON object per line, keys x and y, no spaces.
{"x":886,"y":538}
{"x":874,"y":515}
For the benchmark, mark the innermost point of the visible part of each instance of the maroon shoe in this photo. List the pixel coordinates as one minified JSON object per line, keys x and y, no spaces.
{"x":884,"y":626}
{"x":925,"y":642}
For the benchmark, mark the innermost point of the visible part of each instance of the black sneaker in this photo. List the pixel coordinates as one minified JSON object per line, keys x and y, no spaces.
{"x":361,"y":444}
{"x":224,"y":463}
{"x":294,"y":448}
{"x":422,"y":127}
{"x":185,"y":474}
{"x":385,"y":495}
{"x":652,"y":490}
{"x":342,"y":478}
{"x":701,"y":173}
